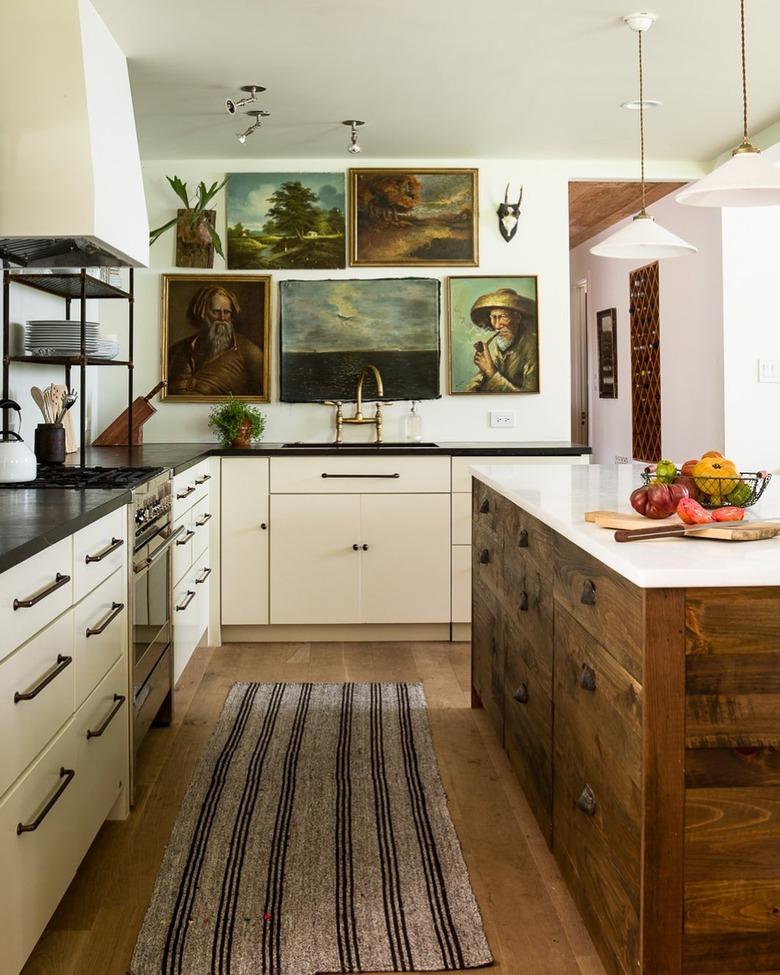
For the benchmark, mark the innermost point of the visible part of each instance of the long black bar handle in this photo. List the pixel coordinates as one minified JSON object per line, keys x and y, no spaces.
{"x":111,"y":547}
{"x":67,"y":774}
{"x":62,"y":663}
{"x":116,"y":609}
{"x":119,"y":700}
{"x":60,"y":580}
{"x":363,"y":475}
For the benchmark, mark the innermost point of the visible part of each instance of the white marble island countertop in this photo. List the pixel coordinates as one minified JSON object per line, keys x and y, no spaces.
{"x":559,"y":496}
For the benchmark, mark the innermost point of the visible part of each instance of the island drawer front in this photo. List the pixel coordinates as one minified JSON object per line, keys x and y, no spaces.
{"x":97,"y":653}
{"x":487,"y":656}
{"x":528,"y":721}
{"x":609,"y":607}
{"x":526,"y":539}
{"x":41,"y":577}
{"x":93,"y":560}
{"x":489,"y":509}
{"x":527,"y":600}
{"x":27,"y":725}
{"x":360,"y":475}
{"x":487,"y":561}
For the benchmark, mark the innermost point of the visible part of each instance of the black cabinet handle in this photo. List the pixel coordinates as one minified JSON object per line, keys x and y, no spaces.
{"x":188,"y":599}
{"x":484,"y":507}
{"x":187,"y":493}
{"x":119,"y":701}
{"x":587,"y":678}
{"x":523,"y":607}
{"x":62,"y":663}
{"x":202,"y":480}
{"x":484,"y":557}
{"x":521,"y":694}
{"x":187,"y":536}
{"x":356,"y":547}
{"x":116,"y":609}
{"x":522,"y":539}
{"x":264,"y":526}
{"x":361,"y":475}
{"x":60,"y":580}
{"x":587,"y":801}
{"x":206,"y":574}
{"x":112,"y":547}
{"x":588,"y":594}
{"x":65,"y":773}
{"x":202,"y":522}
{"x":364,"y":547}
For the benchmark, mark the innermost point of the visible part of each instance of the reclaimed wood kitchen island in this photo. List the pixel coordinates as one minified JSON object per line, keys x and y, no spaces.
{"x":636,"y":691}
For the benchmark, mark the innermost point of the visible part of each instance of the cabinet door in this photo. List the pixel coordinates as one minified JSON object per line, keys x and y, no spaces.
{"x":406,"y":565}
{"x":316,"y":569}
{"x":245,"y":530}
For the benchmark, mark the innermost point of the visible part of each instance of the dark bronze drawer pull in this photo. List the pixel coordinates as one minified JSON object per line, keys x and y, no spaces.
{"x":62,"y":663}
{"x":59,"y":581}
{"x":355,"y":547}
{"x":521,"y":694}
{"x":202,"y":480}
{"x":188,"y":535}
{"x":587,"y":801}
{"x":587,"y":678}
{"x":187,"y":493}
{"x":523,"y":607}
{"x":116,"y":609}
{"x":203,"y":520}
{"x":484,"y":507}
{"x":120,"y":700}
{"x":362,"y":475}
{"x":522,"y":540}
{"x":206,"y":574}
{"x":188,"y":599}
{"x":65,"y":773}
{"x":588,"y":595}
{"x":112,"y":547}
{"x":484,"y":557}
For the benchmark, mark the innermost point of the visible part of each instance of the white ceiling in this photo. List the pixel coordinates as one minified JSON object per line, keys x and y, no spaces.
{"x":444,"y":78}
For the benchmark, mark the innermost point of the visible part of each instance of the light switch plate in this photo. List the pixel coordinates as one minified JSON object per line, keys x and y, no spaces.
{"x":502,"y":419}
{"x":769,"y":370}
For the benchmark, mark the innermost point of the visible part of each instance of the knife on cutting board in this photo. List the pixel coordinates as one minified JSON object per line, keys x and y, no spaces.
{"x":724,"y":531}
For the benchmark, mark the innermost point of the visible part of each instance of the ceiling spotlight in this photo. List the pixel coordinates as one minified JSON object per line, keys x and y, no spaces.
{"x":353,"y":146}
{"x":258,"y":121}
{"x":232,"y":107}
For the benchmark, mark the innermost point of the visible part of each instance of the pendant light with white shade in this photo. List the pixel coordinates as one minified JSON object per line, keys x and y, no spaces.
{"x":748,"y":179}
{"x":643,"y":238}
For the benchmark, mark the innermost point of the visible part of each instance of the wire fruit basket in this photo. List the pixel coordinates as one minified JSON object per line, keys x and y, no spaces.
{"x":741,"y":490}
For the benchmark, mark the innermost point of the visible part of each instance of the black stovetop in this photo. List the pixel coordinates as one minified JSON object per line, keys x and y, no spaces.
{"x":59,"y":476}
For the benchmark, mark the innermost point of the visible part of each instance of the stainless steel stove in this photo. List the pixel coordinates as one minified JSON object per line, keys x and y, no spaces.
{"x":78,"y":478}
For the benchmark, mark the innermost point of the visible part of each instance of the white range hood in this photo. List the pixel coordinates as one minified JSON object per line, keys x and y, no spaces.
{"x":71,"y":192}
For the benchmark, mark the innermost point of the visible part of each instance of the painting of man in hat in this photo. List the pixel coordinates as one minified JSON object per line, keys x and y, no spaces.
{"x":494,"y":342}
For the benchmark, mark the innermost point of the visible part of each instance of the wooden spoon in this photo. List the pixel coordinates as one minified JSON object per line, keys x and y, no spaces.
{"x":37,"y":396}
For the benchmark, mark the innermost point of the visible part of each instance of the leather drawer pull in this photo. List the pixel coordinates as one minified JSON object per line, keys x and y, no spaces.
{"x":587,"y":801}
{"x":62,"y":663}
{"x":521,"y":694}
{"x":484,"y":557}
{"x":65,"y":773}
{"x":523,"y":607}
{"x":119,"y":700}
{"x":116,"y":609}
{"x":59,"y":581}
{"x":588,"y":594}
{"x":587,"y":678}
{"x":112,"y":547}
{"x":187,"y":493}
{"x":522,"y":540}
{"x":484,"y":507}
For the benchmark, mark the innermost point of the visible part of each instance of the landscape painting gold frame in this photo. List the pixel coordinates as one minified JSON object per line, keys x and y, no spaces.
{"x":253,"y":293}
{"x":401,"y":239}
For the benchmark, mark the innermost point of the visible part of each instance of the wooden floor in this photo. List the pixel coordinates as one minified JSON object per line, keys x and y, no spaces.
{"x":530,"y":922}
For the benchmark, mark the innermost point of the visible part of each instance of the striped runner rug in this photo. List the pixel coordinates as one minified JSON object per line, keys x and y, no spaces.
{"x":314,"y":837}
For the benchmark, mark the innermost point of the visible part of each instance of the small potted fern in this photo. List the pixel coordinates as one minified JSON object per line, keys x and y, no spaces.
{"x":196,"y":238}
{"x":236,"y":423}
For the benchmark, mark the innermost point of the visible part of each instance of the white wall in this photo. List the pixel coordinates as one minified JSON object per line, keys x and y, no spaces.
{"x":691,"y":313}
{"x":540,"y":247}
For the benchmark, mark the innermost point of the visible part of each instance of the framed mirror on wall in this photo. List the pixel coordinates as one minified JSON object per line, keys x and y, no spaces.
{"x":606,"y":342}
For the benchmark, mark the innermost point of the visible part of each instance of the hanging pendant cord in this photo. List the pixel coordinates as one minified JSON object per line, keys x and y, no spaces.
{"x":642,"y":119}
{"x":745,"y":140}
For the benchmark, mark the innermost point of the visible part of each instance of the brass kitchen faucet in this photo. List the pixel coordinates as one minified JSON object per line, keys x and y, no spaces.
{"x":376,"y":420}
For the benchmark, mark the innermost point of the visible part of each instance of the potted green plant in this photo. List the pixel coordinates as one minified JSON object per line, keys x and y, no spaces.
{"x":236,"y":423}
{"x":196,"y":238}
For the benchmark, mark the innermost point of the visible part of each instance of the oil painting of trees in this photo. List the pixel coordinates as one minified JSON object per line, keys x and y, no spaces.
{"x":285,"y":220}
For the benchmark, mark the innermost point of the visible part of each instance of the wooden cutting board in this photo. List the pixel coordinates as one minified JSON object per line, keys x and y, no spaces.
{"x":741,"y":531}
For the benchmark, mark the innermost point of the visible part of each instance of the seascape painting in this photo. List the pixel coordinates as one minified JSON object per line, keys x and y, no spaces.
{"x":330,"y":330}
{"x":413,"y":217}
{"x":285,"y":221}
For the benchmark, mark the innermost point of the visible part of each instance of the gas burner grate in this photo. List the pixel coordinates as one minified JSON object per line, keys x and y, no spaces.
{"x":78,"y":478}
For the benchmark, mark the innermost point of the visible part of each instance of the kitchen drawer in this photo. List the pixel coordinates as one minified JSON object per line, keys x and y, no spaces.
{"x":461,"y":466}
{"x":190,"y":616}
{"x":527,"y":600}
{"x":487,"y":560}
{"x":189,"y":487}
{"x":528,"y":542}
{"x":101,"y":633}
{"x":182,"y":547}
{"x":461,"y":583}
{"x":26,"y":726}
{"x":360,"y":475}
{"x":201,"y":577}
{"x":487,"y":655}
{"x":489,"y":509}
{"x":609,"y":607}
{"x":45,"y":578}
{"x":201,"y":518}
{"x":98,"y":550}
{"x":461,"y":519}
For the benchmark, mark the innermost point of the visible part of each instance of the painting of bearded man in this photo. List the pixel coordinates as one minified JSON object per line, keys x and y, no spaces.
{"x":215,"y":337}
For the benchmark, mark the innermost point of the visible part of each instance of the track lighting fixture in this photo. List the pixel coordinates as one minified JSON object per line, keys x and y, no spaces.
{"x":231,"y":107}
{"x":258,"y":116}
{"x":353,"y":146}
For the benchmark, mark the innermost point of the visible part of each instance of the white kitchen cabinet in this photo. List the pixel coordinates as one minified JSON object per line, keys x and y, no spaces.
{"x":245,"y":532}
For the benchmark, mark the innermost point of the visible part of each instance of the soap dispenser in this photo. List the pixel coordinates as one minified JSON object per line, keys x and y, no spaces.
{"x":413,"y":424}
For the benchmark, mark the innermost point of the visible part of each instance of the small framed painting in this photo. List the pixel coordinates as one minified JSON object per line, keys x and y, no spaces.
{"x":404,"y":217}
{"x":215,"y":337}
{"x":606,"y":342}
{"x":494,"y":335}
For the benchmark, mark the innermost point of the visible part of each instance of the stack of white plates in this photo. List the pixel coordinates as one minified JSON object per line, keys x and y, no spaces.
{"x":108,"y":347}
{"x":60,"y":337}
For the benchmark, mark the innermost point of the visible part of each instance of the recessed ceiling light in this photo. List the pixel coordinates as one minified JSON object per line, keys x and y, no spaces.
{"x":635,"y":105}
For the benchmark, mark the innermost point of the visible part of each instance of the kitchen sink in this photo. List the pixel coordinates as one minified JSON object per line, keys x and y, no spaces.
{"x":410,"y":445}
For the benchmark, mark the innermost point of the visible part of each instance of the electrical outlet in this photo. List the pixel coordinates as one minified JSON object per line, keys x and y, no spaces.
{"x":499,"y":419}
{"x":621,"y":460}
{"x":769,"y":370}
